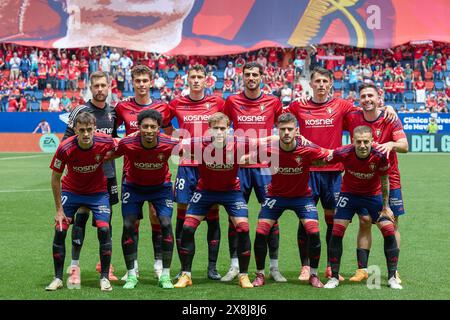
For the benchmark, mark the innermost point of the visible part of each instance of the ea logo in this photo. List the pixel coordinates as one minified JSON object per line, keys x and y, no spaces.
{"x":49,"y":143}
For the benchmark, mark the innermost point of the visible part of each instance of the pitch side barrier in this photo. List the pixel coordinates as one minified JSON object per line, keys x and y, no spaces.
{"x":421,"y":142}
{"x":16,"y":129}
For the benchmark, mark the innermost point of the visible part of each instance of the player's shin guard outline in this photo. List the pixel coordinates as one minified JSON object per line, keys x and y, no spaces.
{"x":129,"y":240}
{"x":244,"y":246}
{"x":167,"y":241}
{"x":260,"y":246}
{"x":187,"y":245}
{"x":105,"y":251}
{"x":273,"y":241}
{"x":335,"y":249}
{"x":391,"y":250}
{"x":59,"y":249}
{"x":213,"y":236}
{"x":314,"y":245}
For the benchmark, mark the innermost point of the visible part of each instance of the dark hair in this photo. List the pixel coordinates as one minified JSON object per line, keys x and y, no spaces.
{"x":322,"y":71}
{"x":140,"y":69}
{"x":366,"y":86}
{"x":254,"y":64}
{"x":197,"y":67}
{"x":98,"y":74}
{"x":85,"y":118}
{"x":286,"y":118}
{"x":152,"y":114}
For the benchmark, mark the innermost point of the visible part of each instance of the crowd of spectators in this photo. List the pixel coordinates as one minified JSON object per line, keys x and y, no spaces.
{"x":413,"y":77}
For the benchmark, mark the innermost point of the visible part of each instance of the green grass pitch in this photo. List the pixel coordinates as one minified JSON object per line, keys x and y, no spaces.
{"x":26,"y":233}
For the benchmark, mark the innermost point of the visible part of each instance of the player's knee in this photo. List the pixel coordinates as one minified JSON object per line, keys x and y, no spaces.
{"x":311,"y":227}
{"x":242,"y":227}
{"x":388,"y":230}
{"x":213,"y":215}
{"x":338,"y":230}
{"x":329,"y":218}
{"x":365,"y":222}
{"x":263,"y":228}
{"x":190,"y":225}
{"x":181,"y":213}
{"x":165,"y":223}
{"x":64,"y":226}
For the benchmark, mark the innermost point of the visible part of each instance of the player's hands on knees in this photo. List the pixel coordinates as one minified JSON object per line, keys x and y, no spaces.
{"x":60,"y":217}
{"x":386,"y":213}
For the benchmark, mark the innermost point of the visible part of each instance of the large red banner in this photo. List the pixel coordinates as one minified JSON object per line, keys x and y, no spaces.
{"x":215,"y":27}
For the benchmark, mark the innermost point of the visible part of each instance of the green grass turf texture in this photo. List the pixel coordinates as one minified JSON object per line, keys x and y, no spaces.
{"x":26,"y":233}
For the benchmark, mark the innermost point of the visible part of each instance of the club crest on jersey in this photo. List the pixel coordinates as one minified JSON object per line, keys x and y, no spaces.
{"x":298,"y":159}
{"x":160,"y":157}
{"x":330,"y":110}
{"x":378,"y":132}
{"x":98,"y":157}
{"x":242,"y":107}
{"x":109,"y":116}
{"x":372,"y":166}
{"x":262,"y":106}
{"x":208,"y":106}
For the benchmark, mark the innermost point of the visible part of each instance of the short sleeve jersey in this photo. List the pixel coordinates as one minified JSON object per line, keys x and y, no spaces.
{"x":128,"y":110}
{"x":361,"y":176}
{"x":84,"y":166}
{"x":290,"y":170}
{"x":253,"y":118}
{"x":383,"y":131}
{"x":193,"y":116}
{"x":146,"y":167}
{"x":218,"y":168}
{"x":322,"y":123}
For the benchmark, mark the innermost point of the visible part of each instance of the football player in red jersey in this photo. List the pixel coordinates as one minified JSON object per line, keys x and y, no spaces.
{"x":365,"y":186}
{"x":146,"y":178}
{"x":391,"y":139}
{"x":84,"y":185}
{"x":219,"y":157}
{"x":321,"y":120}
{"x":127,"y":112}
{"x":253,"y":115}
{"x":289,"y":190}
{"x":192,"y":113}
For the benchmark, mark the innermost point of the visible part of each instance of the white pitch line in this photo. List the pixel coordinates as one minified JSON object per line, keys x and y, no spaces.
{"x":26,"y":190}
{"x":23,"y":157}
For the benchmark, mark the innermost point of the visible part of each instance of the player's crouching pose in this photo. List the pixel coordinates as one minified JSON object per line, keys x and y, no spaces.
{"x":218,"y":183}
{"x":83,"y":185}
{"x":289,"y":190}
{"x":361,"y":189}
{"x":146,"y":178}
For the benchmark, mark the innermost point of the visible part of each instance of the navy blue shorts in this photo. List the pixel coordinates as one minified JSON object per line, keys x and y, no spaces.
{"x":349,"y":204}
{"x":274,"y":207}
{"x":133,"y":198}
{"x":97,"y":202}
{"x":254,"y":178}
{"x":233,"y":202}
{"x":395,"y":202}
{"x":186,"y":183}
{"x":325,"y":186}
